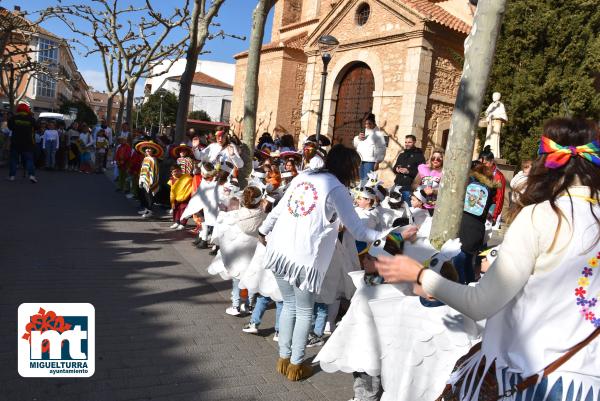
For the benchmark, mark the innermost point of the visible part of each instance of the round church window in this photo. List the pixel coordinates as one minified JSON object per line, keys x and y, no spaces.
{"x":362,"y":14}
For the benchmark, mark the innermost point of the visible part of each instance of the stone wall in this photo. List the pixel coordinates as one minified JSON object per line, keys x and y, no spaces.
{"x":280,"y":89}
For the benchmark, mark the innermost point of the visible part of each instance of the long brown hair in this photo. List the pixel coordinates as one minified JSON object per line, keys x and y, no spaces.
{"x":546,"y":184}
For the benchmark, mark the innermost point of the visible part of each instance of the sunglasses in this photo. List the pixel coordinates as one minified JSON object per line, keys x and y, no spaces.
{"x":436,"y":159}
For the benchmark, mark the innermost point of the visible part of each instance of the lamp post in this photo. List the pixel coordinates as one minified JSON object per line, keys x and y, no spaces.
{"x":160,"y":123}
{"x":327,"y":44}
{"x":138,"y":102}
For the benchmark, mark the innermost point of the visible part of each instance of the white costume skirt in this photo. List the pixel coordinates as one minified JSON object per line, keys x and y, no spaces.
{"x":419,"y":346}
{"x":257,"y":279}
{"x":354,"y":345}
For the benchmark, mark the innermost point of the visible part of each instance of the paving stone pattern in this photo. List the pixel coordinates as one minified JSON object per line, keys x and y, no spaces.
{"x":162,"y":333}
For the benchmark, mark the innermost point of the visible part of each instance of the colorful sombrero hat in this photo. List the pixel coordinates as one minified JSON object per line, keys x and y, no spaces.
{"x":262,"y":154}
{"x":174,"y":151}
{"x":156,"y":148}
{"x":290,"y":155}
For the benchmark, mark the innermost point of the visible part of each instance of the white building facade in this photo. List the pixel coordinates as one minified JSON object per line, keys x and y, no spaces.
{"x":224,"y":72}
{"x":207,"y":93}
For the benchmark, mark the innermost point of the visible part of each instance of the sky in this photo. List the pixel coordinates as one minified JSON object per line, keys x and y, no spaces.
{"x":235,"y":17}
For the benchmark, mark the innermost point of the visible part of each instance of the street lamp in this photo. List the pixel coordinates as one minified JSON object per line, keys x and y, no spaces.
{"x":138,"y":103}
{"x":327,"y":44}
{"x":160,"y":117}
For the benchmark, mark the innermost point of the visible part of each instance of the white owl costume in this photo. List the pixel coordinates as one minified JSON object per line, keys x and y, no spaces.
{"x":388,"y":332}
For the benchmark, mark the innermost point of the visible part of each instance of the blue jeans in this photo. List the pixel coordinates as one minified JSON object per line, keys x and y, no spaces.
{"x":296,"y":319}
{"x":464,"y":263}
{"x":406,"y":196}
{"x":14,"y":161}
{"x":320,"y":317}
{"x":235,"y":293}
{"x":261,"y":307}
{"x":50,"y":154}
{"x":365,"y":168}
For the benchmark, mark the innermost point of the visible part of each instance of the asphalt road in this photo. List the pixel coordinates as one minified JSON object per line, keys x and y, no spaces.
{"x":161,"y":330}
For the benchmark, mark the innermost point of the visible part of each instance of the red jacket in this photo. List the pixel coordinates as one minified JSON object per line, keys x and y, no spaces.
{"x":135,"y":163}
{"x":122,"y":155}
{"x":499,"y":198}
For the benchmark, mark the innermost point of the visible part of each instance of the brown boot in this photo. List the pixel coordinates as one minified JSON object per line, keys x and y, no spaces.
{"x":282,"y":365}
{"x":299,"y":372}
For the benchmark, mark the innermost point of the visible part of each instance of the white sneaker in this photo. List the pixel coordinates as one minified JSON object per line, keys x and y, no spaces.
{"x":233,"y":311}
{"x":250,"y":328}
{"x":174,"y":225}
{"x":147,"y":215}
{"x":170,"y":211}
{"x":327,"y":330}
{"x":276,"y":336}
{"x":11,"y":178}
{"x":180,"y":227}
{"x":244,"y":309}
{"x":143,"y":211}
{"x":129,"y":196}
{"x":33,"y":179}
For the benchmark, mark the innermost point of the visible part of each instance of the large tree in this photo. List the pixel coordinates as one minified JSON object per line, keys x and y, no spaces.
{"x":131,"y":40}
{"x":151,"y":110}
{"x":259,"y":19}
{"x":547,"y":64}
{"x":202,"y":16}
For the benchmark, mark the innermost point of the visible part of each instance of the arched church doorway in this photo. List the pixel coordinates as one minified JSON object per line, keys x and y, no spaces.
{"x":354,"y":101}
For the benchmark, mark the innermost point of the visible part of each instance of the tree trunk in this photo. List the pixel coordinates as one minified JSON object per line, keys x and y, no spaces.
{"x":130,"y":99}
{"x":109,"y":109}
{"x":480,"y":47}
{"x":120,"y":115}
{"x":259,"y":18}
{"x":185,"y":83}
{"x":200,"y":21}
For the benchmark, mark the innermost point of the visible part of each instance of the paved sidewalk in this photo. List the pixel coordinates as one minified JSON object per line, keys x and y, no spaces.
{"x":162,"y":333}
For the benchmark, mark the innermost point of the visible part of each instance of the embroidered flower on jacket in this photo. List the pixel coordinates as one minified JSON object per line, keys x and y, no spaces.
{"x":582,"y":301}
{"x":587,"y":272}
{"x":580,"y":292}
{"x":596,"y":322}
{"x":592,"y":302}
{"x":584,"y":310}
{"x":303,"y":200}
{"x":593,"y":262}
{"x":590,"y":316}
{"x":583,"y":281}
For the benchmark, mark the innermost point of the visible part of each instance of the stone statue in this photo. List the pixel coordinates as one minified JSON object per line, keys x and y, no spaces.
{"x":496,"y":117}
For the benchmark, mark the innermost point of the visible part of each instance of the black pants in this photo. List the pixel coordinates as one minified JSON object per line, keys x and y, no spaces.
{"x":146,"y":199}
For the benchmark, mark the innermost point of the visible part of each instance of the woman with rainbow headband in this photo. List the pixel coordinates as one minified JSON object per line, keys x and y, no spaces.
{"x":540,"y":295}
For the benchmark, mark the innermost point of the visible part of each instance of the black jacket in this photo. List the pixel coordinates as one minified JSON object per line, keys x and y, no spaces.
{"x":410,"y":159}
{"x":479,"y":198}
{"x":22,"y":126}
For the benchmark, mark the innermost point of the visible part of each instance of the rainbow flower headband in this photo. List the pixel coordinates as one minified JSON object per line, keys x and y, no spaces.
{"x":559,"y":155}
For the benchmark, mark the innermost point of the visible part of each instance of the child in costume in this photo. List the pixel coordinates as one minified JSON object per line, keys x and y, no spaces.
{"x":258,"y":280}
{"x":205,"y":200}
{"x":237,"y":239}
{"x":148,"y":179}
{"x":181,"y":191}
{"x":196,"y":179}
{"x":122,"y":157}
{"x":101,"y":150}
{"x":364,"y":342}
{"x":420,"y":340}
{"x":184,"y":159}
{"x":418,"y":213}
{"x":133,"y":172}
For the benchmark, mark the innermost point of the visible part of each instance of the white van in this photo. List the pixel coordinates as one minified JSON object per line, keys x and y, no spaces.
{"x":46,"y":116}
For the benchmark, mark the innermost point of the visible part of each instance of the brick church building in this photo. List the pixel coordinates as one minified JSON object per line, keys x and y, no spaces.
{"x":399,"y":59}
